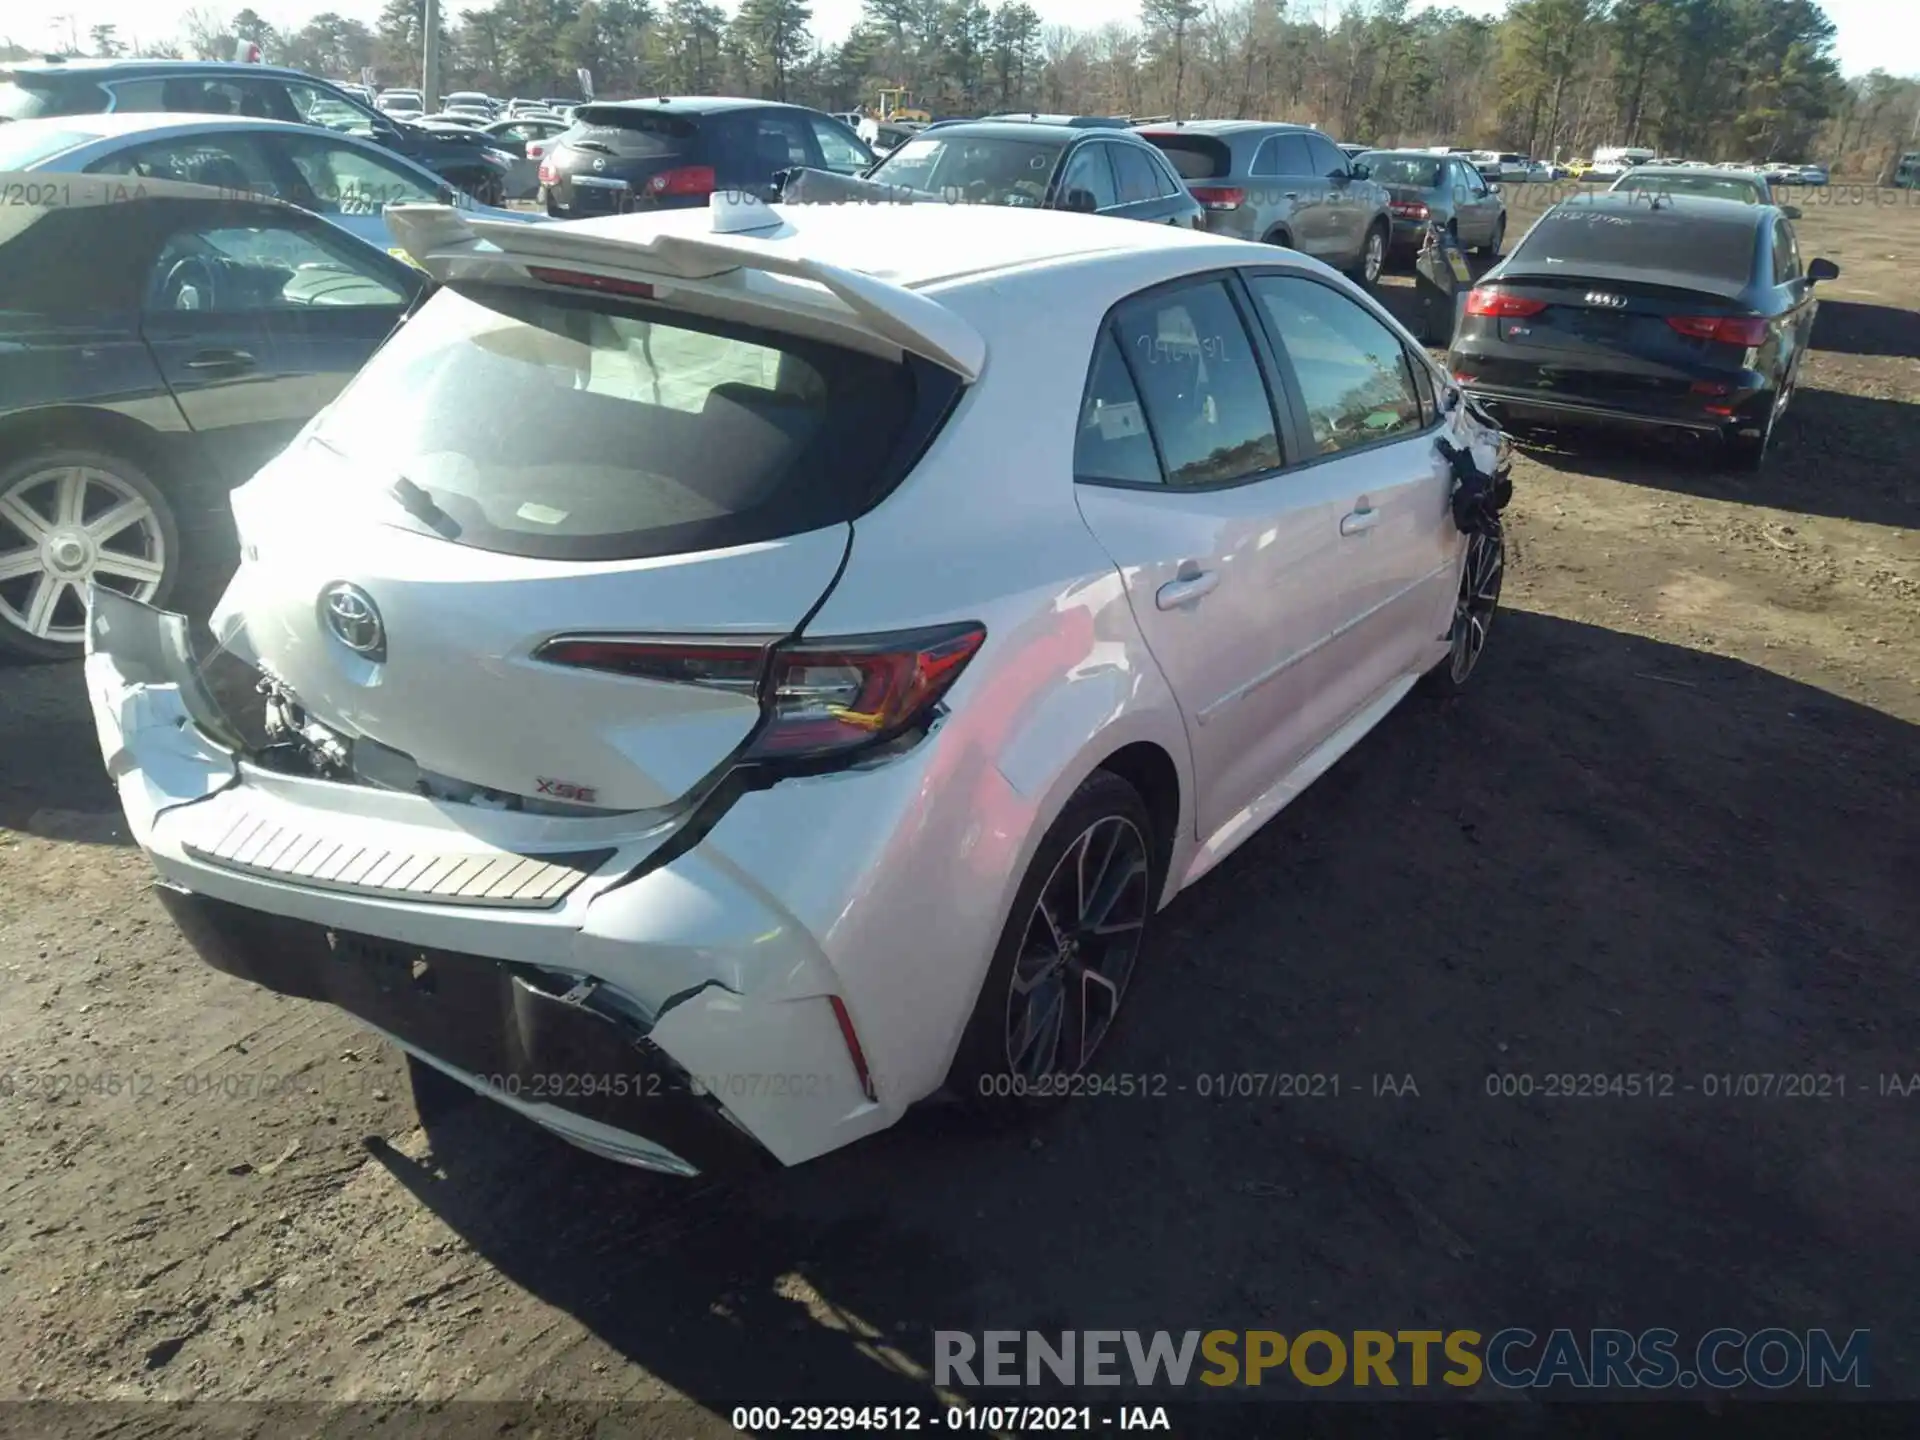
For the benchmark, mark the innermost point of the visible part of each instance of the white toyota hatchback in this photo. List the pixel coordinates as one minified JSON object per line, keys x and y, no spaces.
{"x":731,"y":675}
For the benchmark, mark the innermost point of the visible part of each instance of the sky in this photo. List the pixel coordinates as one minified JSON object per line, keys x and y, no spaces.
{"x":1883,"y":33}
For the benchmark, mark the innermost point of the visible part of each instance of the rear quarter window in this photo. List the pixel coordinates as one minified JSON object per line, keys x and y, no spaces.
{"x":1195,"y":157}
{"x":1675,"y":241}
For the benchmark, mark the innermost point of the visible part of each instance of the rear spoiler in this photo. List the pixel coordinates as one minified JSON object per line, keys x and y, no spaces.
{"x":449,"y":244}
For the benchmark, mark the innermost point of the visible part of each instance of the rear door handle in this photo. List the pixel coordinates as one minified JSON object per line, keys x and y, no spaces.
{"x":221,"y":360}
{"x":1359,"y":522}
{"x":1186,"y":590}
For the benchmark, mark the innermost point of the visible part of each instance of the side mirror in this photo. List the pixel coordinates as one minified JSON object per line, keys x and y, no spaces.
{"x":1361,"y":172}
{"x":1792,"y":212}
{"x":1819,"y":270}
{"x":1493,"y":187}
{"x":1080,"y":201}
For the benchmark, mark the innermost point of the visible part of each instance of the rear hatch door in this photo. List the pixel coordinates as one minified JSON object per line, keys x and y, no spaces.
{"x":608,"y":161}
{"x":525,"y":467}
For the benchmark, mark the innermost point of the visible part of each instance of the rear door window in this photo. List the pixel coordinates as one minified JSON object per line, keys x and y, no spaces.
{"x":230,"y":163}
{"x":1291,"y":156}
{"x":1135,"y":175}
{"x":1201,"y":387}
{"x":549,"y":426}
{"x":1354,"y":376}
{"x":1089,"y":170}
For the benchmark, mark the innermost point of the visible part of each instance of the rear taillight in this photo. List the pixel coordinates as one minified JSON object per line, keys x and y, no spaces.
{"x":1492,"y":300}
{"x":1409,"y":209}
{"x":833,"y":695}
{"x":1220,"y":197}
{"x":820,"y":697}
{"x":1726,"y":329}
{"x":548,"y":175}
{"x":683,"y":180}
{"x":854,"y":1051}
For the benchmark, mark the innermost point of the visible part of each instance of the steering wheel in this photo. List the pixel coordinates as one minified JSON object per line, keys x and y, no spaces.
{"x":192,"y":284}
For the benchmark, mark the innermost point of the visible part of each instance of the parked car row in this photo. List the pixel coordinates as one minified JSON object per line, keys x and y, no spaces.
{"x":59,"y":88}
{"x":1681,"y":311}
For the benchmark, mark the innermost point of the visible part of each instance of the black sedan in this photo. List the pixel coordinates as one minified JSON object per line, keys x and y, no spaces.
{"x":1027,"y":164}
{"x":1671,"y":311}
{"x":159,"y":342}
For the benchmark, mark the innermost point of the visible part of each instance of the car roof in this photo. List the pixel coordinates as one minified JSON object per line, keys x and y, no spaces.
{"x":926,"y":244}
{"x":691,"y":104}
{"x":102,"y":69}
{"x":1712,"y":172}
{"x":1223,"y":127}
{"x":110,"y":123}
{"x":1420,"y":154}
{"x":1017,"y":130}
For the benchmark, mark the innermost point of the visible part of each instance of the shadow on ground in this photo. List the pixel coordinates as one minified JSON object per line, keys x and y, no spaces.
{"x":1614,"y":857}
{"x":1878,"y":483}
{"x":1849,"y":327}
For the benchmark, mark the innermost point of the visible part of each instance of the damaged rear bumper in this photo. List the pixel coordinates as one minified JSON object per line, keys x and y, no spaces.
{"x":511,"y":1032}
{"x":667,"y":1010}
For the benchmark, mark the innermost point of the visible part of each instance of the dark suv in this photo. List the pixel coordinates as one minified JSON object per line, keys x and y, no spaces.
{"x":674,"y":152}
{"x":53,"y":87}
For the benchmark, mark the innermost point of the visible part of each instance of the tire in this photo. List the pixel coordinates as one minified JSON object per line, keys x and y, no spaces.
{"x":1491,"y":250}
{"x":45,"y":541}
{"x":1475,"y":602}
{"x":1015,"y":1051}
{"x":1373,"y":258}
{"x":1748,"y":453}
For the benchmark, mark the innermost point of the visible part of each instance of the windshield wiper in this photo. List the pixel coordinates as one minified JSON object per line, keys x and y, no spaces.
{"x":423,"y":507}
{"x":599,"y":145}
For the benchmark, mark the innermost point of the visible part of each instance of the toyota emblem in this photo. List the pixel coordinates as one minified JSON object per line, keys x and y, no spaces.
{"x":351,"y":617}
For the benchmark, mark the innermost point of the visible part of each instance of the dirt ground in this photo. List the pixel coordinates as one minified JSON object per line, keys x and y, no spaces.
{"x":1670,"y":830}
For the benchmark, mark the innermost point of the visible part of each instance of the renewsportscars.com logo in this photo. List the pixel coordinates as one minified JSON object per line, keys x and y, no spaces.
{"x":1512,"y":1359}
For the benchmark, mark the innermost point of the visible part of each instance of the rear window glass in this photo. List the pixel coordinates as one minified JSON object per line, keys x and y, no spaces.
{"x":973,"y":169}
{"x":1640,"y":237}
{"x":1196,"y":157}
{"x":39,"y":102}
{"x":640,"y":131}
{"x":543,"y":427}
{"x":1402,"y":170}
{"x":1720,"y":187}
{"x":21,"y":146}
